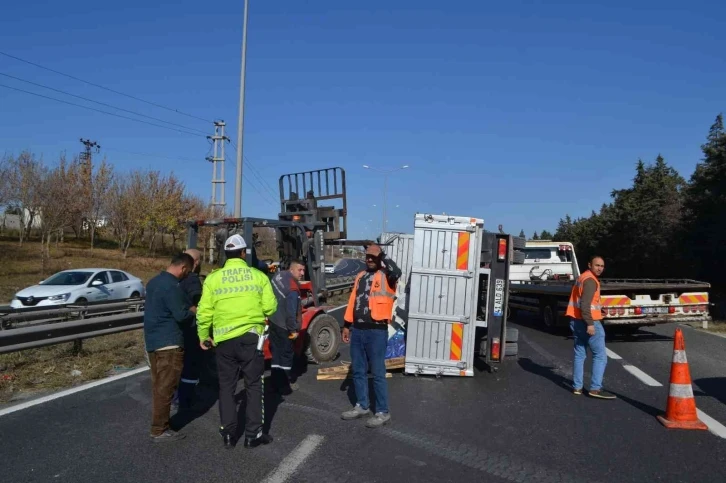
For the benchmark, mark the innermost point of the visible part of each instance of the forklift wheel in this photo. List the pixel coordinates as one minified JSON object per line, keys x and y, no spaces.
{"x":323,"y":338}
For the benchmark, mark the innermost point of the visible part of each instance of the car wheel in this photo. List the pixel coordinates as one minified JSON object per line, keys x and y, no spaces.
{"x":80,"y":301}
{"x":135,"y":295}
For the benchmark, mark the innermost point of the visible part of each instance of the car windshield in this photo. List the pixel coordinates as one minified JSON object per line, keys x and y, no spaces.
{"x":68,"y":278}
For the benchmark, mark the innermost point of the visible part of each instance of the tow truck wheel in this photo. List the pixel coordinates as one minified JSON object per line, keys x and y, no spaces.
{"x":323,"y":338}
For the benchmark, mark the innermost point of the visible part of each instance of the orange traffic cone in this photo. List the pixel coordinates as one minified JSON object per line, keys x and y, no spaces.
{"x":681,"y":408}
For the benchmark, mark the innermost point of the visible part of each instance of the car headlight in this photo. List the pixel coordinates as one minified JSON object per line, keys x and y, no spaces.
{"x":61,"y":297}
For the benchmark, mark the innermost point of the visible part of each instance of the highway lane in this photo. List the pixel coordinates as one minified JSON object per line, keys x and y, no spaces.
{"x":519,"y":424}
{"x":348,"y":267}
{"x":648,"y":356}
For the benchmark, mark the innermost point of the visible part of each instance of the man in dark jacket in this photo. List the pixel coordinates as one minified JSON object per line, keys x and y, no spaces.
{"x":192,"y":288}
{"x":285,"y":325}
{"x":165,"y":313}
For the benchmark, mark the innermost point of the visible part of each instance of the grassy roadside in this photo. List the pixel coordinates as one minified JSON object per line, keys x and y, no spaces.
{"x":718,"y":326}
{"x":34,"y":371}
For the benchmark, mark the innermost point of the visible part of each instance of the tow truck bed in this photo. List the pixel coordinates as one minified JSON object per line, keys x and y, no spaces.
{"x":609,"y":285}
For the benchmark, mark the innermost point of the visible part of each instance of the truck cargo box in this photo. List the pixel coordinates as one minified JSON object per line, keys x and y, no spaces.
{"x":443,"y":295}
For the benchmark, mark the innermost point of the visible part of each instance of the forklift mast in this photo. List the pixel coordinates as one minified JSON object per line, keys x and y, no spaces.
{"x":303,"y":227}
{"x":301,"y":195}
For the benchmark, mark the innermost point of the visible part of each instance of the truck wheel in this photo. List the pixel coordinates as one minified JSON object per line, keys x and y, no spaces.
{"x":323,"y":338}
{"x":512,"y":334}
{"x":518,"y":257}
{"x":549,"y":316}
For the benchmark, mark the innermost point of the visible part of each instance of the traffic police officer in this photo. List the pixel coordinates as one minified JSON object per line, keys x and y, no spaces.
{"x":235,"y":301}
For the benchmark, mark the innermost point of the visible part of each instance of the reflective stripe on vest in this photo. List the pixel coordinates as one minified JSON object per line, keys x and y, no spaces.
{"x":574,"y":306}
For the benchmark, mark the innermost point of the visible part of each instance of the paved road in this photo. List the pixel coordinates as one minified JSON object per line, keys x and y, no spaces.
{"x":347,"y":267}
{"x":520,"y":424}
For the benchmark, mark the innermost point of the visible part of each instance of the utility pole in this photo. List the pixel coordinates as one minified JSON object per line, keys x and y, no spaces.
{"x":85,"y":158}
{"x":240,"y":121}
{"x":218,"y":202}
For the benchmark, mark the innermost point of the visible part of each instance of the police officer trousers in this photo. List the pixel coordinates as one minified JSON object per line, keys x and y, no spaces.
{"x":233,"y":356}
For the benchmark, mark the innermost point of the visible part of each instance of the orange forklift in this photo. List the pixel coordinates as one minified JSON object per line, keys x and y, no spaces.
{"x":303,"y":228}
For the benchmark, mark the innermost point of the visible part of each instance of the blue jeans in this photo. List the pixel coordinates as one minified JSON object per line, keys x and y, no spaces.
{"x":599,"y":357}
{"x":369,"y":347}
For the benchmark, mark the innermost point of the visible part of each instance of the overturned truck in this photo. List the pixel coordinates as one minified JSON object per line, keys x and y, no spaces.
{"x":452,"y":297}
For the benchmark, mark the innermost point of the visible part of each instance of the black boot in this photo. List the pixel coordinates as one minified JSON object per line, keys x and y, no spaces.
{"x":229,"y":441}
{"x":255,"y":442}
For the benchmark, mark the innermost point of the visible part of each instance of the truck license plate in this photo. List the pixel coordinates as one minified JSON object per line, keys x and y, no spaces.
{"x":498,"y":297}
{"x":655,"y":310}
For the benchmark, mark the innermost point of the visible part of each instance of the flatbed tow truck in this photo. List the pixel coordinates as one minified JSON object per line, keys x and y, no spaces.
{"x":543,"y":282}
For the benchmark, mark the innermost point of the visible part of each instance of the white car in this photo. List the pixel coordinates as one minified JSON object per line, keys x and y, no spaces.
{"x":81,"y":286}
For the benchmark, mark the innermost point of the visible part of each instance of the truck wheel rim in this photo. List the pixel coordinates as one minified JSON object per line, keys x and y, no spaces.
{"x":322,"y":341}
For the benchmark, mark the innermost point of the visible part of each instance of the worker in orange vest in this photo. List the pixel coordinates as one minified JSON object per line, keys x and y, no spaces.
{"x":585,"y":310}
{"x":369,"y":312}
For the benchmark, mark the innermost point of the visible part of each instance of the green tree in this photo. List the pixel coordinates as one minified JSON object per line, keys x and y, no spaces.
{"x":522,"y":235}
{"x":646,"y":220}
{"x":545,"y":235}
{"x":535,"y":236}
{"x":565,"y":230}
{"x":704,"y":227}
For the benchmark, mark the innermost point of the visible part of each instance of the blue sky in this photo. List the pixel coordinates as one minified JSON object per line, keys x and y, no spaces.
{"x":516,"y":113}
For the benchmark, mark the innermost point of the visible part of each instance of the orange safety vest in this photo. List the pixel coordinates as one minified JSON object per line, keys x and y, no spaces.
{"x":380,"y":299}
{"x":573,"y":307}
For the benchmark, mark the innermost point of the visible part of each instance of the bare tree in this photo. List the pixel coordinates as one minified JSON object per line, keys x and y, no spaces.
{"x":164,"y":198}
{"x":58,"y":202}
{"x":191,"y":208}
{"x":129,"y":207}
{"x":25,"y":175}
{"x":98,"y":204}
{"x":5,"y":193}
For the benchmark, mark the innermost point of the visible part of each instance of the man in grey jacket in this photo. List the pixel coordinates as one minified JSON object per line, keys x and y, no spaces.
{"x":285,"y":325}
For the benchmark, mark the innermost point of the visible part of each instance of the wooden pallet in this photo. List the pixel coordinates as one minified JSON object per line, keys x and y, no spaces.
{"x":344,"y":371}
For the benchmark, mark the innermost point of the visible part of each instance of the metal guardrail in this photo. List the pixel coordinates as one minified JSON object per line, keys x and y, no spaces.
{"x":91,"y":322}
{"x":50,"y":334}
{"x":48,"y":315}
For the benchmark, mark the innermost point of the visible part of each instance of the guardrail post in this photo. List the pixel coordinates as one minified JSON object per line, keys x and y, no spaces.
{"x":78,"y":343}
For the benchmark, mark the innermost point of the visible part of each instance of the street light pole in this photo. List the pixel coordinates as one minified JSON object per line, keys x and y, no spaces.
{"x":386,"y":173}
{"x":240,"y":122}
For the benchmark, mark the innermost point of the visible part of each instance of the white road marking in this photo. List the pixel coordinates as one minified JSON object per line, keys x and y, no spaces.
{"x":298,"y":456}
{"x":642,"y":376}
{"x":68,"y":392}
{"x":612,"y":355}
{"x":713,"y":426}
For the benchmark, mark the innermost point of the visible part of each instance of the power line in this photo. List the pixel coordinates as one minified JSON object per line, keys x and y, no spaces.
{"x":156,"y":156}
{"x":101,"y":103}
{"x":101,"y":111}
{"x":106,"y":88}
{"x":256,"y":174}
{"x":274,"y":204}
{"x":262,"y":180}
